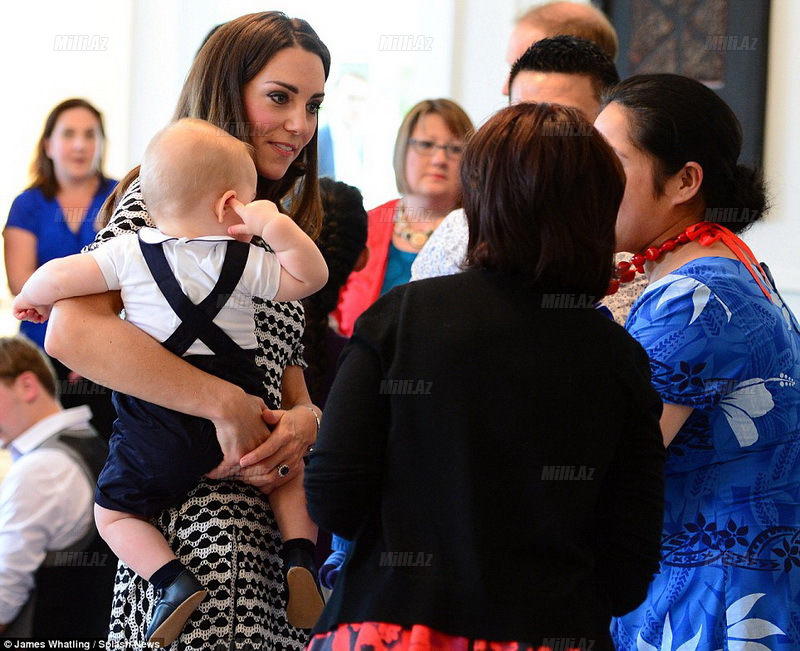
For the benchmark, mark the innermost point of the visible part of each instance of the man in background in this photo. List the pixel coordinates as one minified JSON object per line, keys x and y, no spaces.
{"x":554,"y":18}
{"x":564,"y":70}
{"x":56,"y":574}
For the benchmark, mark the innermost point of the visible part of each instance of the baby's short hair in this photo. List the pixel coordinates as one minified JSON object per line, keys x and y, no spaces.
{"x":189,"y":160}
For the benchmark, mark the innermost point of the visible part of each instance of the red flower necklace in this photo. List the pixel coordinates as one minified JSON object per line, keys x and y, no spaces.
{"x":705,"y":234}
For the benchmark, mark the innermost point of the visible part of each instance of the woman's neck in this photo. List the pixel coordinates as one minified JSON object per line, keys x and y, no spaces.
{"x":415,"y":221}
{"x":75,"y":198}
{"x":674,"y":227}
{"x":672,"y":260}
{"x":71,"y":186}
{"x":426,"y":208}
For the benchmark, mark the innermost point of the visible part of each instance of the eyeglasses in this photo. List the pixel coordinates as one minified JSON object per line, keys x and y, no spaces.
{"x":428,"y":148}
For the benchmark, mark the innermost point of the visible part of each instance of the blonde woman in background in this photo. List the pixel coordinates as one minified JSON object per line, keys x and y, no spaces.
{"x":427,"y":158}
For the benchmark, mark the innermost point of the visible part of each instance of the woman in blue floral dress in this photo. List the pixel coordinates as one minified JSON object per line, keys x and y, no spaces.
{"x":725,"y":357}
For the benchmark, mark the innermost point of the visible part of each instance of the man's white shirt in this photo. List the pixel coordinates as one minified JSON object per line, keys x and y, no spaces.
{"x":46,"y":504}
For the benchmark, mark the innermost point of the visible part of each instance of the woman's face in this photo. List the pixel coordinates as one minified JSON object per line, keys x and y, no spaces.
{"x":641,"y":214}
{"x":433,"y":175}
{"x":281,"y":103}
{"x":75,"y":145}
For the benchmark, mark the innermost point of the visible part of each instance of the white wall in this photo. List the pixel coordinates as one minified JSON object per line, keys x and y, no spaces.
{"x":776,"y":240}
{"x":36,"y":77}
{"x":479,"y":65}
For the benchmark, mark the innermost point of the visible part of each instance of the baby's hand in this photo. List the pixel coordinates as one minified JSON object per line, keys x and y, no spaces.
{"x":255,"y":216}
{"x":25,"y":311}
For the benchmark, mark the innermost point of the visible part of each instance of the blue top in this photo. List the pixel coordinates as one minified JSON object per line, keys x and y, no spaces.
{"x":398,"y":268}
{"x":43,"y":217}
{"x":730,"y":569}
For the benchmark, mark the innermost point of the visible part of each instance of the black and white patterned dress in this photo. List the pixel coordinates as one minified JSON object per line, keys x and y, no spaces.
{"x":224,"y":532}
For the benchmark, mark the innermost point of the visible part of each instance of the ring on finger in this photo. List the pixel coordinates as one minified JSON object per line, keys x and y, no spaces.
{"x":283,"y":470}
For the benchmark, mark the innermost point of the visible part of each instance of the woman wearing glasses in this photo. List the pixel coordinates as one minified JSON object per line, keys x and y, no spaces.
{"x":427,"y":157}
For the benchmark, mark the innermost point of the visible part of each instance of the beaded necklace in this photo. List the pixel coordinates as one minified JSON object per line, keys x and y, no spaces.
{"x":415,"y":238}
{"x":705,"y":234}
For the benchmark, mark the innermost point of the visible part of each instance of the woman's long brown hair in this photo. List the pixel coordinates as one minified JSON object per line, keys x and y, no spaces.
{"x":233,"y":55}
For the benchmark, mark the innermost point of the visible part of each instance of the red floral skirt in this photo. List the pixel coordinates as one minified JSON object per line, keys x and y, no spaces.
{"x":376,"y":636}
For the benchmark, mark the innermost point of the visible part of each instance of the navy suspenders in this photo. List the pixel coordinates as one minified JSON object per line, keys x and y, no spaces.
{"x":197,"y":320}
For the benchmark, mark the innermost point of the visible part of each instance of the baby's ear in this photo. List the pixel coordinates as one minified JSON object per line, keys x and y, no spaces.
{"x":223,"y":204}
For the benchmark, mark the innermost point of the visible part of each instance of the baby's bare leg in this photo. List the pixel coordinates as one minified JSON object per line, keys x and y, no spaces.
{"x":145,"y":550}
{"x":135,"y":541}
{"x":298,"y":533}
{"x":288,"y":503}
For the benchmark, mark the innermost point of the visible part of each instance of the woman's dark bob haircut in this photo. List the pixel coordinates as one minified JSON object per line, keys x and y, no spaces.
{"x":541,"y":191}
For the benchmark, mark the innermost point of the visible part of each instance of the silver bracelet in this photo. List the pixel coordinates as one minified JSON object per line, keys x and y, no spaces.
{"x":316,"y":420}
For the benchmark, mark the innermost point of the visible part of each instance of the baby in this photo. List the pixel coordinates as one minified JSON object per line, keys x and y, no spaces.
{"x":189,"y":284}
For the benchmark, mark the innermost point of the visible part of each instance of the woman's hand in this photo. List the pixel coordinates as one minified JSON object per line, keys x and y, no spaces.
{"x":294,"y":431}
{"x":240,"y":429}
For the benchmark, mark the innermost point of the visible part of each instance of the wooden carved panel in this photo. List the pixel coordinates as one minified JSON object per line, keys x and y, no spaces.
{"x":672,"y":36}
{"x":722,"y":43}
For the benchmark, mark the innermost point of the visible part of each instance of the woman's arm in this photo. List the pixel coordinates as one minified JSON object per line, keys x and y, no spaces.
{"x":626,"y":536}
{"x":672,"y":419}
{"x":343,"y":477}
{"x":89,"y":337}
{"x":20,"y":256}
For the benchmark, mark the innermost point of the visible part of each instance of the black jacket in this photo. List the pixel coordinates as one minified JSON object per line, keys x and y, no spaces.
{"x":496,"y":458}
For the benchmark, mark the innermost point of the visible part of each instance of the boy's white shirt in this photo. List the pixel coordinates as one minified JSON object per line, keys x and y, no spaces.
{"x":196,"y":264}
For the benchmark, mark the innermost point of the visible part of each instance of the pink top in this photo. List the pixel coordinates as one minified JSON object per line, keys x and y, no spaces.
{"x":363,"y":287}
